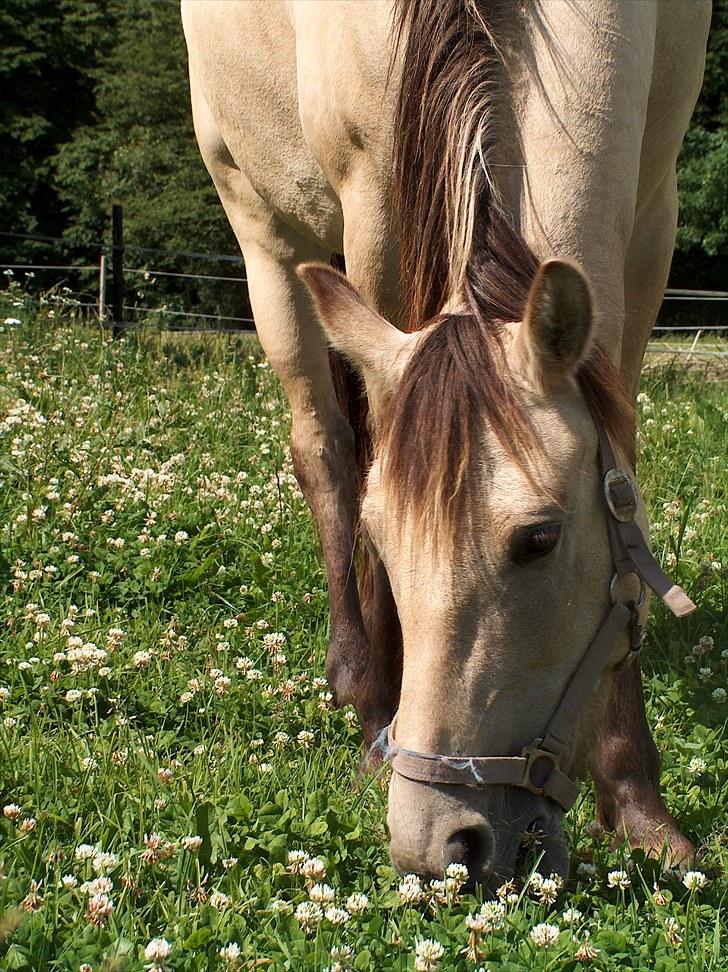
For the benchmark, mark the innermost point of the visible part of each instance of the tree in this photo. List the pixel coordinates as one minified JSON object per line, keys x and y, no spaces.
{"x":43,"y":73}
{"x":139,"y":149}
{"x":702,"y":239}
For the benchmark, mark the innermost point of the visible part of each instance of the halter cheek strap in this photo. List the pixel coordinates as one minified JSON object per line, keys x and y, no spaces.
{"x":538,"y":768}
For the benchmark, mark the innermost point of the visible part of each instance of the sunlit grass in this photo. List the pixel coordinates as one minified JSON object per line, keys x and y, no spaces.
{"x":148,"y":508}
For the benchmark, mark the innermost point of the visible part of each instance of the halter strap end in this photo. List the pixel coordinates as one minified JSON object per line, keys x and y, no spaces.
{"x":678,"y":602}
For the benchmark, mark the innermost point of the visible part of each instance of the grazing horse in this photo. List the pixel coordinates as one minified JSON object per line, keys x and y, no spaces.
{"x":460,"y":154}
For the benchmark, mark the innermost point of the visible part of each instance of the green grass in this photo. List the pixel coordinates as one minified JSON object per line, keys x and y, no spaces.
{"x":147,"y":482}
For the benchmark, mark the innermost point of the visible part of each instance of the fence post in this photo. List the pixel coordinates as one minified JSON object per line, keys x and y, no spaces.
{"x":102,"y":288}
{"x":117,"y":269}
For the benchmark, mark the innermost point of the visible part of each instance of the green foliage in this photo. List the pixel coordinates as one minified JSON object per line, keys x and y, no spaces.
{"x":147,"y":482}
{"x":47,"y":48}
{"x":140,"y":149}
{"x":99,"y":114}
{"x":702,"y":238}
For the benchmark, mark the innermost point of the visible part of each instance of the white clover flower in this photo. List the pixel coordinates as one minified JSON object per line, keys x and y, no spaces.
{"x":337,"y":916}
{"x":274,"y":641}
{"x":438,"y":891}
{"x":672,"y":931}
{"x":357,"y":903}
{"x":11,"y":811}
{"x":104,"y":861}
{"x":571,"y":916}
{"x":458,"y":873}
{"x":309,"y":915}
{"x":69,"y":881}
{"x":586,"y":952}
{"x":314,"y":869}
{"x":719,"y":695}
{"x":697,"y":766}
{"x":114,"y":638}
{"x":158,"y":950}
{"x":279,"y":906}
{"x":323,"y":893}
{"x":222,"y":685}
{"x":4,"y":694}
{"x":180,"y":537}
{"x":296,"y":860}
{"x":343,"y":956}
{"x":99,"y":885}
{"x":98,"y":909}
{"x":493,"y":914}
{"x":219,"y":900}
{"x":27,"y":825}
{"x":475,"y":922}
{"x":410,"y":890}
{"x":548,"y":890}
{"x":618,"y":879}
{"x":192,"y":843}
{"x":73,"y":695}
{"x":305,"y":738}
{"x":428,"y":953}
{"x":85,"y":852}
{"x":141,"y":659}
{"x":230,"y":954}
{"x":544,"y":935}
{"x":694,"y":880}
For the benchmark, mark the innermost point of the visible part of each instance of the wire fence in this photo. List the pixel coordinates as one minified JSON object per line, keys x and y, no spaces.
{"x":174,"y":319}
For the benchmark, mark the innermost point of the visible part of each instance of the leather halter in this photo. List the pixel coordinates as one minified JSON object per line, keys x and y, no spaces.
{"x":538,"y":768}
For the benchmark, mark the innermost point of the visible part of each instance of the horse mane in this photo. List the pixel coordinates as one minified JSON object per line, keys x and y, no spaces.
{"x":459,"y":250}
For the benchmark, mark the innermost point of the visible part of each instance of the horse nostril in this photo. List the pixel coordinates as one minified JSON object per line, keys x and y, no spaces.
{"x":472,"y":847}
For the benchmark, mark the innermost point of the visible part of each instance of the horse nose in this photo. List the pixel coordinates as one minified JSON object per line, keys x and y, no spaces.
{"x":475,"y":848}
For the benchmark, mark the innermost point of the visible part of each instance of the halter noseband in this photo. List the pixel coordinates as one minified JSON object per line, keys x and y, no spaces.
{"x":538,"y":768}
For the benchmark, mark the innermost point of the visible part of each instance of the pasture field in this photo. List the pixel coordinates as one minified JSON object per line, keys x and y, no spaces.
{"x":177,"y":792}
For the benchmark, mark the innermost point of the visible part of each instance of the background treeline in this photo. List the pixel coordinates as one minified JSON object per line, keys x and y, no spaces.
{"x":95,"y":110}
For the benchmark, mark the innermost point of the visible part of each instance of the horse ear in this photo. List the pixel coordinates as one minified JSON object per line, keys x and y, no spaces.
{"x":556,"y":333}
{"x":377,"y":349}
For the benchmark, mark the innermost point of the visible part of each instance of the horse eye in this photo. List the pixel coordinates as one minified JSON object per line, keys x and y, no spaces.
{"x":536,"y":542}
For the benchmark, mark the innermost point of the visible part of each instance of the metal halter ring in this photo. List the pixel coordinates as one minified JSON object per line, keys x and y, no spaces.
{"x":534,"y":754}
{"x":613,"y":594}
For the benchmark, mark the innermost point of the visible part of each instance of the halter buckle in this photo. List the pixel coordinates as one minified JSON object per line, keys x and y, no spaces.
{"x":533,"y":754}
{"x":621,"y":495}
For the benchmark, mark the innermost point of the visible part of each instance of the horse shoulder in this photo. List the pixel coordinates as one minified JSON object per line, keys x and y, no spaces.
{"x":243,"y":75}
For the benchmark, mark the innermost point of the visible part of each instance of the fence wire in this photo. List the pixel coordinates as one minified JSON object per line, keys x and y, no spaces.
{"x":708,"y":296}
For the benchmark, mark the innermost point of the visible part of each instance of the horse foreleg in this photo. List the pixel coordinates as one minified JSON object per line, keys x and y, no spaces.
{"x":322,"y":444}
{"x":377,"y":695}
{"x":625,"y":762}
{"x":625,"y":766}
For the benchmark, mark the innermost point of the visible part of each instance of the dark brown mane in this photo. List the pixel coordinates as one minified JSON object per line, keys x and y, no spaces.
{"x":459,"y":248}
